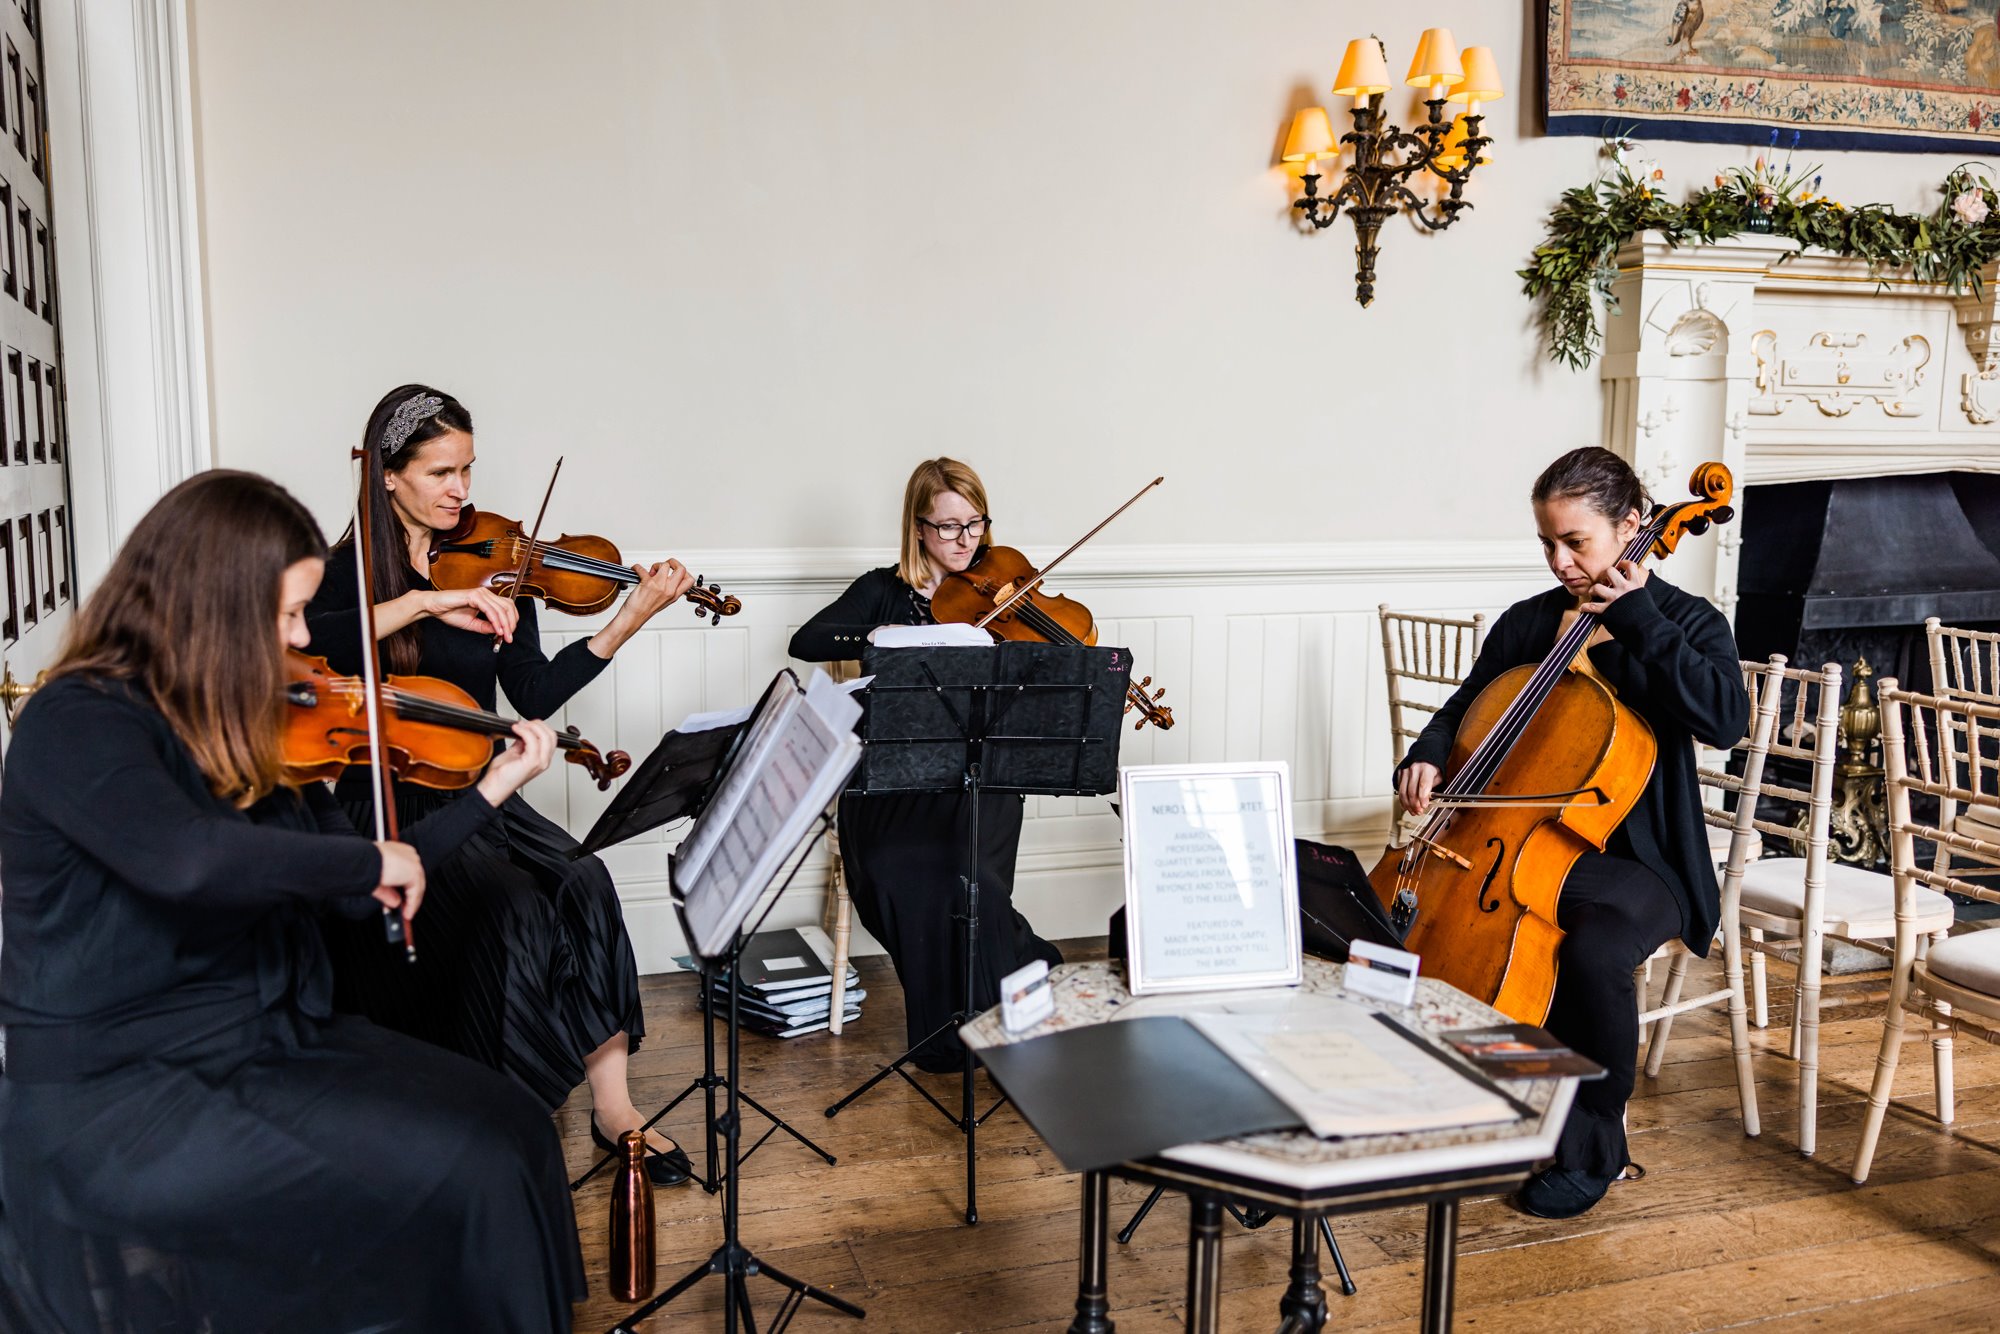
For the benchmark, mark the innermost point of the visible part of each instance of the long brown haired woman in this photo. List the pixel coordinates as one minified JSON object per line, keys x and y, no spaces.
{"x":904,"y":852}
{"x":526,"y":965}
{"x":1670,"y":657}
{"x":193,"y":1139}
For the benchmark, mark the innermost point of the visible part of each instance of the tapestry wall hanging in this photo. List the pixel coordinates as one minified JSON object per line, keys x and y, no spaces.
{"x":1912,"y":75}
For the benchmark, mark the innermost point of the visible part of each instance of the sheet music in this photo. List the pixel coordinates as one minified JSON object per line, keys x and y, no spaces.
{"x":776,"y":790}
{"x":695,"y":850}
{"x":1342,"y":1071}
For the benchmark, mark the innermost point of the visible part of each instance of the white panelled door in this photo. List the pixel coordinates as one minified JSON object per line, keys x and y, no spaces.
{"x":35,"y":547}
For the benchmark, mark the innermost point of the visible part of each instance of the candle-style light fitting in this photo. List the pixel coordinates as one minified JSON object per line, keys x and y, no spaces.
{"x":1376,"y":183}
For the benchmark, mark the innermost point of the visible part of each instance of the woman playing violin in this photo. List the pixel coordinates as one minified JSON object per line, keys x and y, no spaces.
{"x":1670,"y":657}
{"x":904,"y":852}
{"x":194,"y":1139}
{"x":526,"y":965}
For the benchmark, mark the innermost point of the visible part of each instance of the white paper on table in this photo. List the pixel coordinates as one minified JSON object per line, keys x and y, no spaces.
{"x":1344,"y":1071}
{"x":932,"y":636}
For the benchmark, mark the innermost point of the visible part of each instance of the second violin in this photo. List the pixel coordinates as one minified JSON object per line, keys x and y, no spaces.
{"x":578,"y":575}
{"x":435,"y":734}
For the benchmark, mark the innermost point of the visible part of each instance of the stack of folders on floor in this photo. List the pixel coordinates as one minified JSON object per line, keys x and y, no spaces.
{"x":787,"y":984}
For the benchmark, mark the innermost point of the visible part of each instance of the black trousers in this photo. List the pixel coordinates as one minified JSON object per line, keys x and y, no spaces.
{"x":905,"y":853}
{"x":1615,"y":912}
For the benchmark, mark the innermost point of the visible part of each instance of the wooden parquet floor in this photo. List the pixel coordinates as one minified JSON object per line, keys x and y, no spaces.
{"x":1725,"y":1231}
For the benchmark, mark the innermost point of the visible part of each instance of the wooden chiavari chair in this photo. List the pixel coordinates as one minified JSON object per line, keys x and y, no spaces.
{"x":1952,"y":983}
{"x":1764,"y":683}
{"x":1425,"y":659}
{"x":1791,"y":905}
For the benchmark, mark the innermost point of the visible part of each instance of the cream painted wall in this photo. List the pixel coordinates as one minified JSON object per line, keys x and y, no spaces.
{"x":745,"y":261}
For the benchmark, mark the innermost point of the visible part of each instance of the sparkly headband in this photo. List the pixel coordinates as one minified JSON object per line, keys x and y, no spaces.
{"x":412,"y":413}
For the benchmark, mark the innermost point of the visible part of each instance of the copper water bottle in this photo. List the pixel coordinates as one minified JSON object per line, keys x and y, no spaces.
{"x":632,"y":1268}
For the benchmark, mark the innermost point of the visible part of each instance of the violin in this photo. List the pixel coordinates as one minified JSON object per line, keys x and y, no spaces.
{"x":1001,"y":591}
{"x":1546,"y":764}
{"x":435,"y":735}
{"x":577,"y":575}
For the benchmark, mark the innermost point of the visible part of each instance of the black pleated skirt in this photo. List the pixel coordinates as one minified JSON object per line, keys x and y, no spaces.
{"x":290,"y":1174}
{"x":523,"y":963}
{"x":904,"y":855}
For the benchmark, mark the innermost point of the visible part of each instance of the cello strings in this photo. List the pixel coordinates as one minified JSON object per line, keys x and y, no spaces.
{"x":1492,"y":751}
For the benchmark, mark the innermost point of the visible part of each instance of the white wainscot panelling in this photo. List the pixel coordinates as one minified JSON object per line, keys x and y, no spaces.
{"x":1264,"y":652}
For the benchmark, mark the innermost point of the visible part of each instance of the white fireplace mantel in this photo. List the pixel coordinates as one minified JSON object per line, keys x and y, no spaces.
{"x":1790,"y":365}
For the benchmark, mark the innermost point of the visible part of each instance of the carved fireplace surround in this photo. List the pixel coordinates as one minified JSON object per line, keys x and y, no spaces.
{"x":1789,"y":371}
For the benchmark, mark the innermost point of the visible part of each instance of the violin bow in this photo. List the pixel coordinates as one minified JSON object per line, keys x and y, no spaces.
{"x":528,"y":552}
{"x":1029,"y":586}
{"x":396,"y":924}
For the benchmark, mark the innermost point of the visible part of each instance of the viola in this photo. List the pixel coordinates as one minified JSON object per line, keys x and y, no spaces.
{"x":1001,"y":592}
{"x":1547,"y":763}
{"x":577,"y":575}
{"x":434,"y":734}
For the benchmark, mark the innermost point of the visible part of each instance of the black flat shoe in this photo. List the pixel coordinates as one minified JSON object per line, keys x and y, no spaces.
{"x":1561,"y":1192}
{"x":669,"y":1168}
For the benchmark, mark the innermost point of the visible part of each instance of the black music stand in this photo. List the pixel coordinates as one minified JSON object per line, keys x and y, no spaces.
{"x":722,"y":961}
{"x":1033,"y":719}
{"x":675,"y":782}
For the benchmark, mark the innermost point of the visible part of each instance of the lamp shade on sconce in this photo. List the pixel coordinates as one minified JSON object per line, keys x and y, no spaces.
{"x":1363,"y":70}
{"x":1482,"y":77}
{"x":1436,"y":65}
{"x":1311,"y":137}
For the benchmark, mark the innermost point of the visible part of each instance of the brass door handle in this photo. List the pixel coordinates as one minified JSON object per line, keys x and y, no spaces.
{"x":12,"y":692}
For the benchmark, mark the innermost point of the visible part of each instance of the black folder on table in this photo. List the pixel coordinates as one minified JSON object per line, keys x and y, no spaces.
{"x":1111,"y":1093}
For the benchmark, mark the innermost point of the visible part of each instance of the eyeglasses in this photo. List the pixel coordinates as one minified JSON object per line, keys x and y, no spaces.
{"x":951,"y":531}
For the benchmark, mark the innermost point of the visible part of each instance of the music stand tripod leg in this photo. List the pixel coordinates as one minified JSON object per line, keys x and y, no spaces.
{"x":732,"y":1261}
{"x":968,"y":1120}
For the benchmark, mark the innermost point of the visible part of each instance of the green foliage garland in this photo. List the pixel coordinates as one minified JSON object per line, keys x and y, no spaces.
{"x":1575,"y":266}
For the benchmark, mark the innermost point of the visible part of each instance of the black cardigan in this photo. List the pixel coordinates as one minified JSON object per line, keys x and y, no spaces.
{"x":535,"y":684}
{"x":142,"y":912}
{"x":1672,"y":659}
{"x":840,"y":630}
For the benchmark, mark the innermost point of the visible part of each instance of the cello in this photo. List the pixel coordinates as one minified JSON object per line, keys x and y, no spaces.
{"x":1546,"y":764}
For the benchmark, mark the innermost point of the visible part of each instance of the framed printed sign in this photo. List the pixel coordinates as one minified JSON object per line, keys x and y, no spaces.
{"x":1211,"y":880}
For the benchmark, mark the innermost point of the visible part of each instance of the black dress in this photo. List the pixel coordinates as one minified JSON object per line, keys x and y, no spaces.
{"x":1671,"y":658}
{"x":190,"y":1138}
{"x":904,"y":852}
{"x":523,"y":960}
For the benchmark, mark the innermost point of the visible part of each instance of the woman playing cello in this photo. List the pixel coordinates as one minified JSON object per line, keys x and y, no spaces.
{"x":1670,"y":657}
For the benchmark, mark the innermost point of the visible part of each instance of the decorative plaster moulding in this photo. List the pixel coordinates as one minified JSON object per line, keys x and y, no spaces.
{"x":1791,"y":365}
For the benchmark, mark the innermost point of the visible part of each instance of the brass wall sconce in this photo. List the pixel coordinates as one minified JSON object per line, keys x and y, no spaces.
{"x":1376,"y":183}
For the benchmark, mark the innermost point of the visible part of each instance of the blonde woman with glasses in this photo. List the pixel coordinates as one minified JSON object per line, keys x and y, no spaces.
{"x":904,"y":851}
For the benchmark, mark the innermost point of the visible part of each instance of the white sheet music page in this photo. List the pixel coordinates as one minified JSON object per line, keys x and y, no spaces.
{"x":800,"y":767}
{"x":1343,"y":1071}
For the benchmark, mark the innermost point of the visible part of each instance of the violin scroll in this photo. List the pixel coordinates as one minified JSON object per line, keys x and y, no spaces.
{"x":710,"y":601}
{"x":605,"y":767}
{"x":1149,"y":706}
